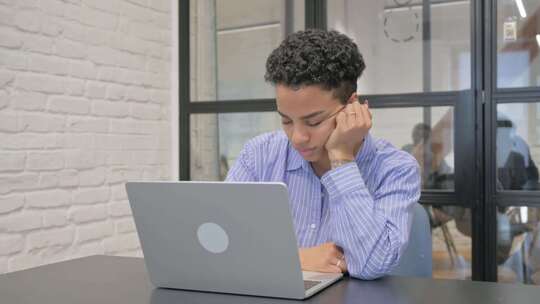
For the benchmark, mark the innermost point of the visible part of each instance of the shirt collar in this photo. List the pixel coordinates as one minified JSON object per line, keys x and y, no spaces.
{"x":294,"y":159}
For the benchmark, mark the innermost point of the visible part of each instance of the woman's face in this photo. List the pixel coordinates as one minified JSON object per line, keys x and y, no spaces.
{"x":307,"y":117}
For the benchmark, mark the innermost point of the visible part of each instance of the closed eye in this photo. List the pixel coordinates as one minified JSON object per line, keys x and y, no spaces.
{"x":286,"y":122}
{"x":313,"y":124}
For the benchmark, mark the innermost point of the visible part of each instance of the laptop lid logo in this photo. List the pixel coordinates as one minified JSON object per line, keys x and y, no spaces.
{"x":213,"y":237}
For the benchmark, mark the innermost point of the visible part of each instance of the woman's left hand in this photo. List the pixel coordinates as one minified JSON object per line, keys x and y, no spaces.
{"x":352,"y":126}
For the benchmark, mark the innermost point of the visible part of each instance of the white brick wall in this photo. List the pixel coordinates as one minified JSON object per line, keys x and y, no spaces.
{"x":84,"y":106}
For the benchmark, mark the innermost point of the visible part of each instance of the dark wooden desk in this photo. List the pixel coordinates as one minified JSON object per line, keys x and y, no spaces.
{"x":115,"y":280}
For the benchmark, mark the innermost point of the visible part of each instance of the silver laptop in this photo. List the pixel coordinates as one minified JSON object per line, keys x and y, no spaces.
{"x":221,"y":237}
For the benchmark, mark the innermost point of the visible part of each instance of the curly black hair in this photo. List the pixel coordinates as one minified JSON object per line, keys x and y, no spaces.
{"x":316,"y":57}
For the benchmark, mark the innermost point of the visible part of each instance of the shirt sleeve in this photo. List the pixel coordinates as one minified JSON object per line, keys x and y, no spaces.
{"x":243,"y":169}
{"x":372,"y":228}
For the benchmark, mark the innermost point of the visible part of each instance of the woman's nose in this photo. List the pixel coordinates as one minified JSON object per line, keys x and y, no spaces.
{"x":300,"y":136}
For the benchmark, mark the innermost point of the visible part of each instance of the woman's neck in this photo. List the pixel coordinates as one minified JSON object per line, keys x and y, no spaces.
{"x":321,"y":166}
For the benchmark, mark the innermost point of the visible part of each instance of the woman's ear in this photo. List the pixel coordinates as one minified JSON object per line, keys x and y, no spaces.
{"x":353,"y":98}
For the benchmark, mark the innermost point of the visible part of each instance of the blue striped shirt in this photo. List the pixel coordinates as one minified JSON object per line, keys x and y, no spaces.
{"x":365,"y":207}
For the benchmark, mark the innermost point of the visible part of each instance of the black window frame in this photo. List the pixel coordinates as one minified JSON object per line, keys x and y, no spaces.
{"x":315,"y":17}
{"x":493,"y":97}
{"x":474,"y":118}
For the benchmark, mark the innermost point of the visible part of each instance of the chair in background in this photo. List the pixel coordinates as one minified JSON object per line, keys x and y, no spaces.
{"x":416,"y":259}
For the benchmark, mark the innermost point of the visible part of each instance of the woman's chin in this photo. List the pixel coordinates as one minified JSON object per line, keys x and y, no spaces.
{"x":312,"y":157}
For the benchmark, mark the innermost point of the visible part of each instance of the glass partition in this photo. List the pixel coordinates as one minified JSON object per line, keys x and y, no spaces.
{"x":427,"y":133}
{"x":230,"y":41}
{"x":217,"y":139}
{"x":408,"y":45}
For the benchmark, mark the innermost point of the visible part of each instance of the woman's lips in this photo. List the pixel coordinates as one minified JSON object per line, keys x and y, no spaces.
{"x":306,"y":152}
